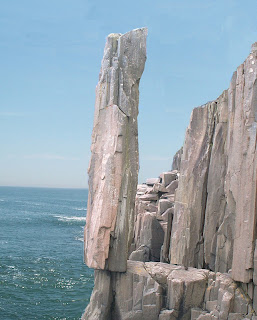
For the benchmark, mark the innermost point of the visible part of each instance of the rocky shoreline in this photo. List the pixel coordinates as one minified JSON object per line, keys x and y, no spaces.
{"x":183,"y":245}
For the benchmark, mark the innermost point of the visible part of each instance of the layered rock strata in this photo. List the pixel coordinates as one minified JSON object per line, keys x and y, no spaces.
{"x":113,"y":168}
{"x":199,"y":220}
{"x":154,"y":207}
{"x":161,"y":291}
{"x":214,"y":222}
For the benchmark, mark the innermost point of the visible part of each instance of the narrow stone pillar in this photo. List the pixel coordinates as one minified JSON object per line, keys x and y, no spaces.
{"x":113,"y":169}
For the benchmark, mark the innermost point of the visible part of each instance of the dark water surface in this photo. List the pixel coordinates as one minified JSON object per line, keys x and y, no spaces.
{"x":42,"y":274}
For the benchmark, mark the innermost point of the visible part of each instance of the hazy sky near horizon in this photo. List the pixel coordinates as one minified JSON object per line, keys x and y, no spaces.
{"x":50,"y":56}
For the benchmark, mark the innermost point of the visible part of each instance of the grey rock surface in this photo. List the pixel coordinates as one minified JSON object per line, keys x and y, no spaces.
{"x":214,"y":224}
{"x":160,"y":291}
{"x":241,"y":172}
{"x":101,"y":298}
{"x":150,"y":234}
{"x":167,"y":177}
{"x":191,"y":194}
{"x":152,"y":181}
{"x":218,"y":222}
{"x":177,"y":160}
{"x":153,"y":217}
{"x":199,"y":219}
{"x":140,"y":254}
{"x":113,"y":168}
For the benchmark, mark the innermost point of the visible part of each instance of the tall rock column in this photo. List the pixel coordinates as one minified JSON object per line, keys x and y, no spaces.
{"x":113,"y":169}
{"x":242,"y":164}
{"x":191,"y":195}
{"x":219,"y":217}
{"x":214,"y":223}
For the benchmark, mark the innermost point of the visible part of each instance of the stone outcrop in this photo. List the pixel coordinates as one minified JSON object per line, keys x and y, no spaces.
{"x":161,"y":291}
{"x":214,"y":222}
{"x":153,"y":218}
{"x":177,"y":160}
{"x":113,"y":168}
{"x":190,"y":234}
{"x":191,"y":200}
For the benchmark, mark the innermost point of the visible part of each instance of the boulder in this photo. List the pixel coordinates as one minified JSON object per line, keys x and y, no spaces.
{"x":141,"y":254}
{"x":149,"y":197}
{"x":168,"y":177}
{"x":152,"y":181}
{"x":151,"y":235}
{"x":171,"y":188}
{"x":163,"y":205}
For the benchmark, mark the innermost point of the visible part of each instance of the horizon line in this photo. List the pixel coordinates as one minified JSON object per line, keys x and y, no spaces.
{"x":44,"y":187}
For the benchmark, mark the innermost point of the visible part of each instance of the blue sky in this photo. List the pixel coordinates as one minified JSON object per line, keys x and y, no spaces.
{"x":50,"y":56}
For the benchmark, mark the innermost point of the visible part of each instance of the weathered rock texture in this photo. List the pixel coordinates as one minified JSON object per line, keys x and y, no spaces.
{"x":113,"y":168}
{"x":199,"y":220}
{"x":177,"y":160}
{"x":161,"y":291}
{"x":153,"y":218}
{"x":214,"y":223}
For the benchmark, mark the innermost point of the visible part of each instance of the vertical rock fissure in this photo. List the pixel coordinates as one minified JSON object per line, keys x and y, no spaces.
{"x":205,"y":191}
{"x":213,"y":224}
{"x":113,"y":169}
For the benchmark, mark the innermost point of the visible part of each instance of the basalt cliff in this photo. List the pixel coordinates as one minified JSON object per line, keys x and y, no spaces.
{"x":183,"y":245}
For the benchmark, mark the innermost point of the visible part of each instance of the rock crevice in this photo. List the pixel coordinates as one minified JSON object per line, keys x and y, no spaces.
{"x":223,"y":171}
{"x":183,"y":245}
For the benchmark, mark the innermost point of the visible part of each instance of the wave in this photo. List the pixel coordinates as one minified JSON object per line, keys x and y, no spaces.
{"x":36,"y":203}
{"x":2,"y":200}
{"x":79,"y":239}
{"x":68,"y":219}
{"x":80,"y":209}
{"x":30,"y":202}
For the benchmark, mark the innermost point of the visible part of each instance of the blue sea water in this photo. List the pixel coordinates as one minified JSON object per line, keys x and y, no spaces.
{"x":42,"y":274}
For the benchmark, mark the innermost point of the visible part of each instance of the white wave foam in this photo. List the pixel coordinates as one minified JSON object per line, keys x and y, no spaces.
{"x":67,"y":219}
{"x":2,"y":200}
{"x":35,"y":203}
{"x":80,"y":209}
{"x":79,"y":239}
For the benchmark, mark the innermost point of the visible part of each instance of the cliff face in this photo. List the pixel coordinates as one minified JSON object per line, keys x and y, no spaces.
{"x":190,"y":234}
{"x":214,"y":222}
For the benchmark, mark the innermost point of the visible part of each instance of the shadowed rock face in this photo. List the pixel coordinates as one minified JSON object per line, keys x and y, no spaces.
{"x":201,"y":215}
{"x":153,"y":218}
{"x":177,"y":160}
{"x":187,"y":228}
{"x":113,"y":169}
{"x":242,"y":164}
{"x":161,"y":291}
{"x":214,"y":223}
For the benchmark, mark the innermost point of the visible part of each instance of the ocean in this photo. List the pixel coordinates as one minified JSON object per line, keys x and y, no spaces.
{"x":42,"y":274}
